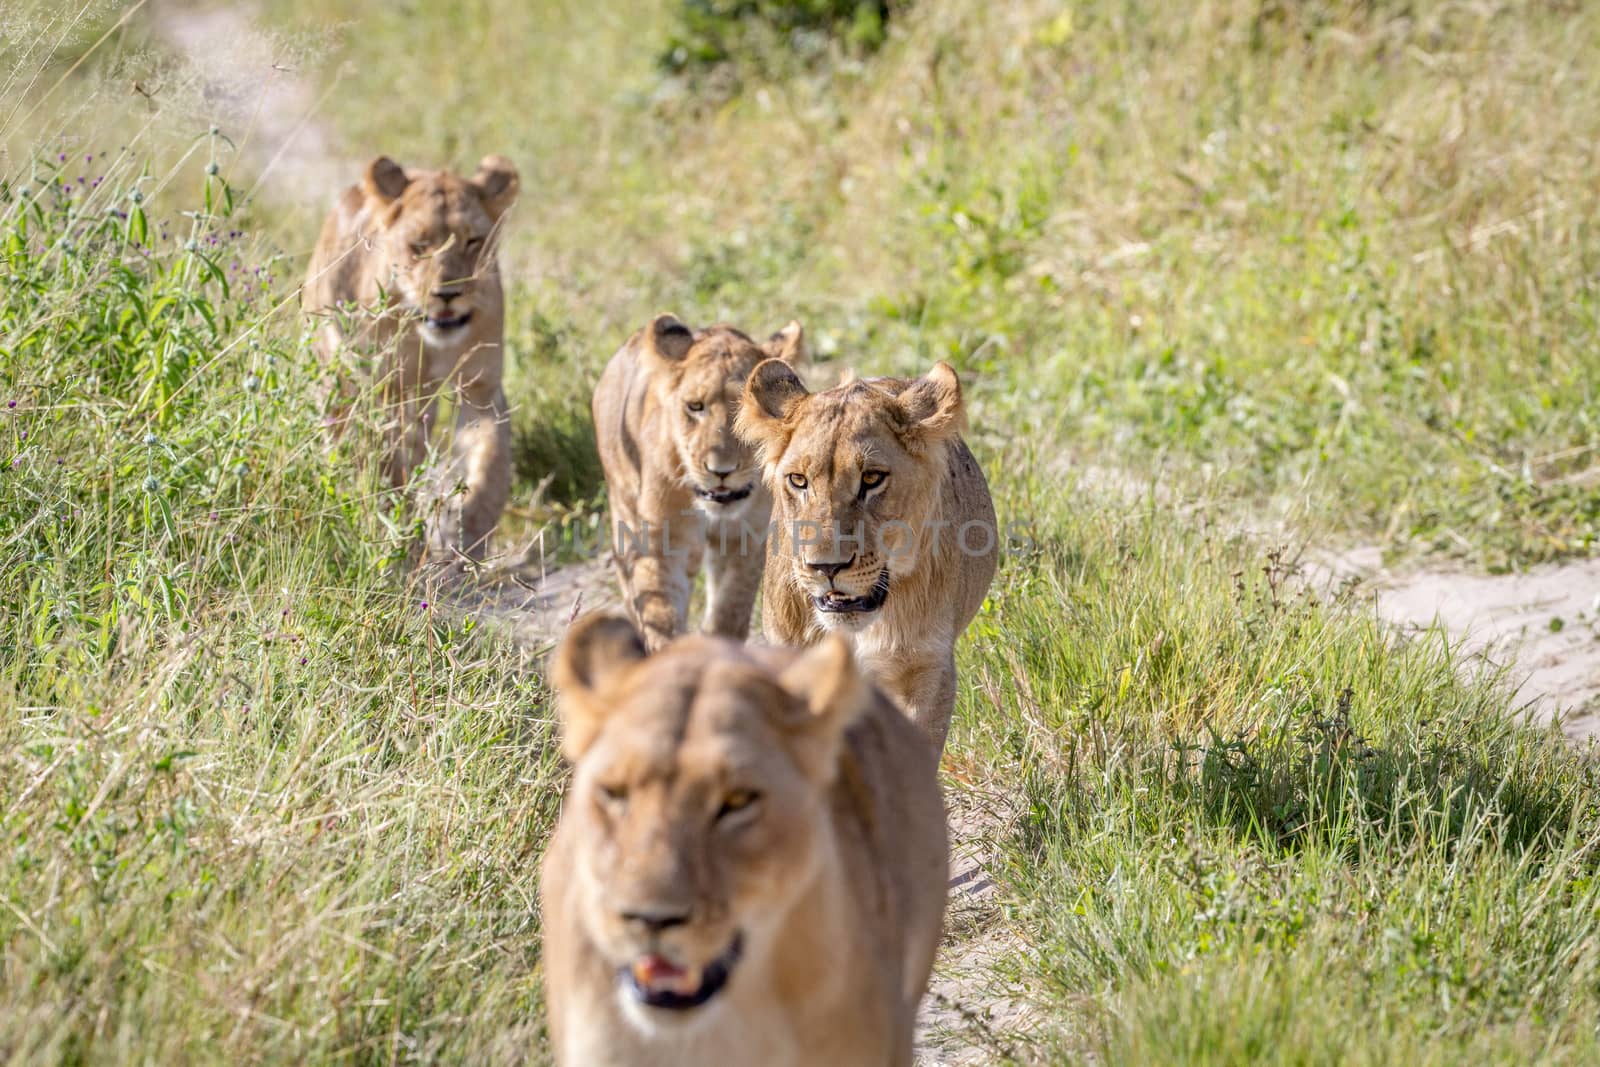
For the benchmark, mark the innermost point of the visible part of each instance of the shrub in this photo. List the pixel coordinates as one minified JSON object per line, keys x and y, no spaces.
{"x":709,"y":33}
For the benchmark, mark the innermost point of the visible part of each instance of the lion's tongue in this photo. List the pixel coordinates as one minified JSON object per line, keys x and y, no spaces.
{"x":660,"y":975}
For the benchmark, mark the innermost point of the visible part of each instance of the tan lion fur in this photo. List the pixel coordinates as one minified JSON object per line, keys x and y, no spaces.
{"x":400,"y":251}
{"x":927,"y":529}
{"x":656,"y":452}
{"x":833,"y":878}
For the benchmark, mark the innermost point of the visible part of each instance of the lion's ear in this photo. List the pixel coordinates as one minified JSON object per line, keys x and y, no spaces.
{"x":932,"y":404}
{"x":384,"y":180}
{"x":832,"y":693}
{"x":788,"y":344}
{"x":596,"y":650}
{"x":668,"y":339}
{"x":770,"y":395}
{"x":497,"y":184}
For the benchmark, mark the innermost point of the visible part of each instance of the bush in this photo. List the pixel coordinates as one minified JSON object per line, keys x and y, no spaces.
{"x":710,"y":33}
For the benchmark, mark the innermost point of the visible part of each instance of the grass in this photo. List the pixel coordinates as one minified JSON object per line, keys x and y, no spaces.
{"x":263,"y":802}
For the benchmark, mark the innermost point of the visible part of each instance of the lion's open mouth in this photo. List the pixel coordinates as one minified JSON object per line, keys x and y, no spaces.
{"x":659,"y":983}
{"x":723,"y":494}
{"x":446,"y":323}
{"x":833,"y":602}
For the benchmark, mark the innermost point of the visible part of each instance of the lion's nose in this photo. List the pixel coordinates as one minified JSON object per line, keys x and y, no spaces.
{"x":655,"y":920}
{"x":720,"y":466}
{"x":830,"y":569}
{"x":448,"y":294}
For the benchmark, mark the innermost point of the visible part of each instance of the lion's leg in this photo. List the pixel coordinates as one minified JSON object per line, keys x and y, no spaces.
{"x":733,"y":574}
{"x":923,"y":684}
{"x":477,"y":483}
{"x":408,"y":421}
{"x":658,"y":559}
{"x":408,"y":411}
{"x":658,"y":597}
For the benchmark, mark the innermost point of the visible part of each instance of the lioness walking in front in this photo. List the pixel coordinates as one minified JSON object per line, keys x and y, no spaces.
{"x":751,"y":862}
{"x":682,"y":487}
{"x":407,"y":258}
{"x":883,"y":527}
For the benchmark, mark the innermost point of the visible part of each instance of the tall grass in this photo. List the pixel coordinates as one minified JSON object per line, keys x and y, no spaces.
{"x":1247,"y":824}
{"x":1335,"y":257}
{"x":261,"y":800}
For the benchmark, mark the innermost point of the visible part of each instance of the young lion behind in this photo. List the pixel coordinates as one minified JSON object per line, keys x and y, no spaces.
{"x":681,"y":486}
{"x":412,"y":254}
{"x":751,"y":862}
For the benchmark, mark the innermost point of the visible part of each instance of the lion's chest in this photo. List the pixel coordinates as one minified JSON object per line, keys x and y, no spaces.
{"x":726,"y":1034}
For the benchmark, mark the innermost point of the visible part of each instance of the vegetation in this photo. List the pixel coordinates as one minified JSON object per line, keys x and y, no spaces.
{"x":712,"y":32}
{"x":1333,"y":264}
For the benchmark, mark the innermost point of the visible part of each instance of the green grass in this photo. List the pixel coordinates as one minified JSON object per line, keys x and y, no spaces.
{"x":261,"y":801}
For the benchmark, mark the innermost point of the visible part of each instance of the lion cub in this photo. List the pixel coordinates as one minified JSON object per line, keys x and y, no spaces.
{"x":883,"y":527}
{"x":413,"y":251}
{"x":681,"y":485}
{"x":751,"y":861}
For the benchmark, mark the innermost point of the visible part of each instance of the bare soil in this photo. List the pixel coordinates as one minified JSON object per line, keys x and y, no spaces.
{"x":1542,"y":624}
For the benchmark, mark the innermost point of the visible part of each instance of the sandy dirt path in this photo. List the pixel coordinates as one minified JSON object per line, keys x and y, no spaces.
{"x":1543,"y":623}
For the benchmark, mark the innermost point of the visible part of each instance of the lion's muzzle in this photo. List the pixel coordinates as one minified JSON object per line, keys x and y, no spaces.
{"x":657,"y":982}
{"x":724,"y":494}
{"x":836,"y":602}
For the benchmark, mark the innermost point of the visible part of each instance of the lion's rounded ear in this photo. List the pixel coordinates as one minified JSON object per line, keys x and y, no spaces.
{"x":597,"y":648}
{"x":788,"y":344}
{"x":384,"y":180}
{"x":774,"y":389}
{"x":932,"y":404}
{"x":497,"y":184}
{"x":668,"y":339}
{"x":833,"y":693}
{"x":770,"y":394}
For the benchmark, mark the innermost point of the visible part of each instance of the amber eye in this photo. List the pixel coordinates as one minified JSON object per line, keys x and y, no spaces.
{"x":614,"y":796}
{"x":736,"y":801}
{"x":873,"y":479}
{"x":695,"y":407}
{"x":474,"y":243}
{"x":418,"y":248}
{"x":797,"y":481}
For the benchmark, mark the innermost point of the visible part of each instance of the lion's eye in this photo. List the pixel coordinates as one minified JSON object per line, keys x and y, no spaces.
{"x":798,"y":481}
{"x":474,"y":243}
{"x":737,"y":800}
{"x":614,"y":796}
{"x":419,"y":248}
{"x":873,"y":479}
{"x":695,"y":407}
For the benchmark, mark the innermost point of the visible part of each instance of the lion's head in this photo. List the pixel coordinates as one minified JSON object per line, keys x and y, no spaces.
{"x":856,"y":474}
{"x":699,"y":800}
{"x":434,"y":234}
{"x":698,"y":377}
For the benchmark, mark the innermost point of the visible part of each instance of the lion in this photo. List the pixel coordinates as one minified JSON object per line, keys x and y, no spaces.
{"x":883,"y":527}
{"x":412,"y":254}
{"x":682,"y":487}
{"x":751,"y":861}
